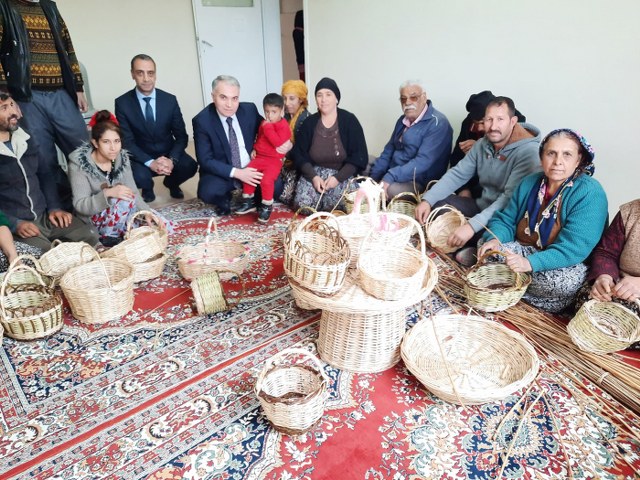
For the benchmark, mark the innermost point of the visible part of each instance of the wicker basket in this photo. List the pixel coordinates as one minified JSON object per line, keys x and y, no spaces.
{"x":26,"y":277}
{"x":604,"y":327}
{"x":292,"y":393}
{"x":142,"y":246}
{"x":209,"y":295}
{"x":493,"y":287}
{"x":151,"y":268}
{"x":392,"y":273}
{"x":63,"y":256}
{"x":316,"y":256}
{"x":467,"y":359}
{"x":99,"y":291}
{"x":160,"y":228}
{"x":351,"y":190}
{"x":29,"y":311}
{"x":211,"y":255}
{"x":405,"y":203}
{"x":442,"y":222}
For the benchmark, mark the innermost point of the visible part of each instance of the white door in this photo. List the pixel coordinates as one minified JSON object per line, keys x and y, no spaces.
{"x":243,"y":42}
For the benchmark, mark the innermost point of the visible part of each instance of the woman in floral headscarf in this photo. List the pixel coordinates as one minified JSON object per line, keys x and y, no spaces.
{"x":553,"y":221}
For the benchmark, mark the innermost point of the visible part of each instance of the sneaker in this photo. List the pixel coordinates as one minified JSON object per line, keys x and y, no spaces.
{"x":467,"y":257}
{"x":265,"y":213}
{"x":148,"y":196}
{"x":246,"y":206}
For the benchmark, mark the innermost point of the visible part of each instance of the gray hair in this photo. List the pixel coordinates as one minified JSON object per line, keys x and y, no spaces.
{"x":408,"y":83}
{"x":228,"y":79}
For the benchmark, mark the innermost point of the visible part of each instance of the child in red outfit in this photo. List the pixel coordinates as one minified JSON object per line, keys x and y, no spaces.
{"x":273,"y":132}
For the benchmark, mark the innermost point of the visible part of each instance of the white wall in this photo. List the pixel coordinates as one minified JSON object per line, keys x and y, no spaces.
{"x":573,"y":63}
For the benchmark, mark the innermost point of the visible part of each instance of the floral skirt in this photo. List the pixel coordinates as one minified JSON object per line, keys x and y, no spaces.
{"x":307,"y":196}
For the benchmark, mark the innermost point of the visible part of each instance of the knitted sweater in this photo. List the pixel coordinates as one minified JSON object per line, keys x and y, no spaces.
{"x":87,"y":182}
{"x":583,"y":217}
{"x":499,"y":173}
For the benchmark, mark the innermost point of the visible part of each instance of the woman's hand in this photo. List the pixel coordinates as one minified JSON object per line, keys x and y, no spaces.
{"x":422,"y":212}
{"x":628,"y":288}
{"x":119,"y":191}
{"x":318,"y":184}
{"x":492,"y":244}
{"x":517,"y":263}
{"x":602,"y":287}
{"x":331,"y":183}
{"x":461,"y":236}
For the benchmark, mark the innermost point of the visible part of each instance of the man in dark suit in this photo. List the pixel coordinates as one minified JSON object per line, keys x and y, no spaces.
{"x":224,"y":133}
{"x":154,"y":133}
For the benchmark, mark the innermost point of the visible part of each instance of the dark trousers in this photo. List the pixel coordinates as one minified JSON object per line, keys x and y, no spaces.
{"x":468,"y":207}
{"x":217,"y":190}
{"x":185,"y":168}
{"x":78,"y":231}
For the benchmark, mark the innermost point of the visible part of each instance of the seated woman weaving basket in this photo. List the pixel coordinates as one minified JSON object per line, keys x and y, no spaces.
{"x":553,"y":221}
{"x":614,"y":274}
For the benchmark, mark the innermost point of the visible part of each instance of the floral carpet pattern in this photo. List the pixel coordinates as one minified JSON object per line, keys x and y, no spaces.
{"x":166,"y":394}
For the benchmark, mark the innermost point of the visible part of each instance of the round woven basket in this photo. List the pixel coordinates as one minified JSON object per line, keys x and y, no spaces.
{"x":29,"y":311}
{"x":604,"y":327}
{"x":391,"y":273}
{"x":493,"y":287}
{"x":63,"y":256}
{"x":404,"y":203}
{"x":99,"y":291}
{"x":209,"y":295}
{"x":141,"y":246}
{"x":151,"y":268}
{"x":211,"y":255}
{"x":159,"y":227}
{"x":292,"y":392}
{"x":316,"y":255}
{"x":467,"y":359}
{"x":441,"y":223}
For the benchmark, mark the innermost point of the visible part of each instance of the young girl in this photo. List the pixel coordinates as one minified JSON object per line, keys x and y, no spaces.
{"x":104,"y":191}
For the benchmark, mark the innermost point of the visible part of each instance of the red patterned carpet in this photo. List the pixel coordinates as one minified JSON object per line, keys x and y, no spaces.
{"x":166,"y":394}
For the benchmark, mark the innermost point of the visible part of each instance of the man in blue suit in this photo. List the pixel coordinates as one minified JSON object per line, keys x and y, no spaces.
{"x":154,"y":133}
{"x":224,"y":133}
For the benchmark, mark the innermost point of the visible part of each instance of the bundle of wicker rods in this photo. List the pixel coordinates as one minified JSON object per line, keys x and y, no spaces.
{"x":549,"y":335}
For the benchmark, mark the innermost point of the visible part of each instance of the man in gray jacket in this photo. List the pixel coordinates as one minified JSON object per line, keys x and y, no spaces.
{"x":501,"y":159}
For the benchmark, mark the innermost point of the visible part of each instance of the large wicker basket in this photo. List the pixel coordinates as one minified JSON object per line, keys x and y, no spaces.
{"x":442,"y":222}
{"x":29,"y":311}
{"x":209,"y":295}
{"x":604,"y":327}
{"x":63,"y":256}
{"x":212,"y":255}
{"x":292,"y":393}
{"x":316,"y":256}
{"x":99,"y":291}
{"x":392,"y":273}
{"x":468,"y":360}
{"x":493,"y":287}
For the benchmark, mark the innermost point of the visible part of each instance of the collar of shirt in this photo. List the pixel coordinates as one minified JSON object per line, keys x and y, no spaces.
{"x":142,"y":103}
{"x":407,"y":123}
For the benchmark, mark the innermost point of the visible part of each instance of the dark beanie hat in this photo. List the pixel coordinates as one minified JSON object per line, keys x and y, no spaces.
{"x":330,"y":84}
{"x":477,"y":104}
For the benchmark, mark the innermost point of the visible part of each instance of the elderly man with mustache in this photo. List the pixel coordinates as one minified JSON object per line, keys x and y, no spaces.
{"x":501,"y":159}
{"x":418,"y":150}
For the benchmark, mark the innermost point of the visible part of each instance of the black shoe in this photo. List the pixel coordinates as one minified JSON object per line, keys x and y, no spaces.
{"x":223,"y":210}
{"x":265,"y":213}
{"x":148,"y":196}
{"x":176,"y":192}
{"x":110,"y":241}
{"x":246,"y":206}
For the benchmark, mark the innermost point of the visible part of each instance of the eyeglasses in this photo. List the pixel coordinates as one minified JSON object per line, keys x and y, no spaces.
{"x":414,"y":97}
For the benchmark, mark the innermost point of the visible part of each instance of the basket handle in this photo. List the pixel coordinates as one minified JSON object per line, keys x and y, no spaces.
{"x":401,"y":195}
{"x":289,"y":351}
{"x":434,"y":213}
{"x":483,"y":259}
{"x":212,"y":223}
{"x":5,"y":281}
{"x":416,"y":226}
{"x":153,"y":216}
{"x":318,"y":215}
{"x":99,"y":258}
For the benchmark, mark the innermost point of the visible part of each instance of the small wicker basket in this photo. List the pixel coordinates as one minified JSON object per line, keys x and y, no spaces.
{"x":99,"y":291}
{"x":211,"y":255}
{"x":22,"y":277}
{"x":350,"y":193}
{"x":442,"y":222}
{"x":405,"y":203}
{"x":209,"y":295}
{"x":160,"y":228}
{"x":493,"y":287}
{"x":63,"y":256}
{"x":137,"y":248}
{"x":29,"y":311}
{"x":316,"y":256}
{"x":151,"y":268}
{"x":292,"y":393}
{"x":392,"y":273}
{"x":604,"y":327}
{"x":468,"y":360}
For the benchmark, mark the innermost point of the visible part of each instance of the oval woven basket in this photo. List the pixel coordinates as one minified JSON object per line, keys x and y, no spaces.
{"x":142,"y":246}
{"x":209,"y":295}
{"x":316,"y":255}
{"x":493,"y":287}
{"x":159,"y":227}
{"x":292,"y":393}
{"x":391,"y":273}
{"x":211,"y":255}
{"x":467,"y":359}
{"x":99,"y":291}
{"x":149,"y":269}
{"x":404,"y":203}
{"x":442,"y":222}
{"x":29,"y":311}
{"x":604,"y":327}
{"x":63,"y":256}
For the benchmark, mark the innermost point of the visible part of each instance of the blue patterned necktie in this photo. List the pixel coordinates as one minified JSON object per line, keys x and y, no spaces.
{"x":148,"y":112}
{"x":233,"y":144}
